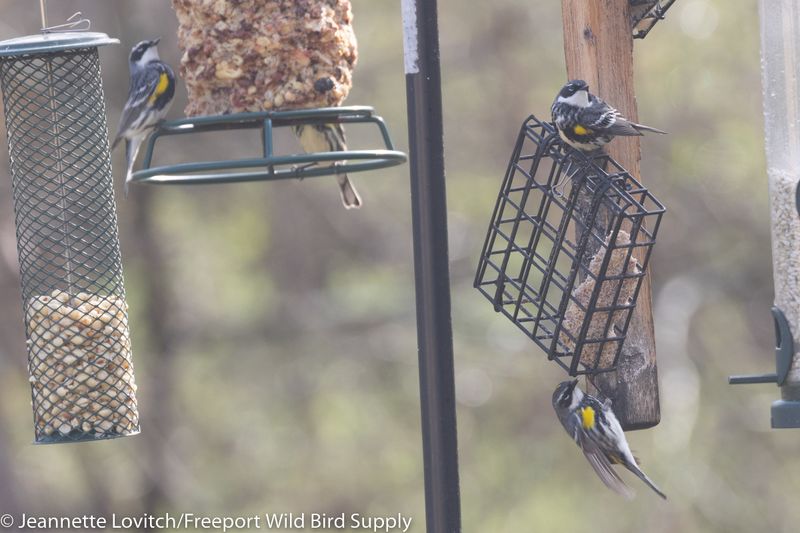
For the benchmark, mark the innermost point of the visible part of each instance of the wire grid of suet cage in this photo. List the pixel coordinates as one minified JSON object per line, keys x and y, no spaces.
{"x":79,"y":351}
{"x":567,"y":249}
{"x":646,"y":13}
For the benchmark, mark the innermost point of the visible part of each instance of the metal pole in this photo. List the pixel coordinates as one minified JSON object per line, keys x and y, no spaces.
{"x":432,"y":277}
{"x":43,"y":9}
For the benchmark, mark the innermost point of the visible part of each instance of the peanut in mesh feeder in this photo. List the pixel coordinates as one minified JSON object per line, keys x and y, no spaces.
{"x":79,"y":352}
{"x":567,"y":249}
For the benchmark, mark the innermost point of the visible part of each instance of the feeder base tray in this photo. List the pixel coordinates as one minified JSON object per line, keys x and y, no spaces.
{"x":269,"y":166}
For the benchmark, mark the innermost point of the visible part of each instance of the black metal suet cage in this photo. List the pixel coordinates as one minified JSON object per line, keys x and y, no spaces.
{"x":567,"y":249}
{"x":79,"y":351}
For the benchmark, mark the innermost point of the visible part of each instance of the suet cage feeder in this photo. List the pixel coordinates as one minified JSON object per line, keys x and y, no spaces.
{"x":646,"y":13}
{"x":567,"y":249}
{"x":268,"y":165}
{"x":79,"y":351}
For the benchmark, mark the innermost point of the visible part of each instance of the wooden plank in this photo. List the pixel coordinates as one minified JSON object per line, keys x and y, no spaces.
{"x":598,"y":47}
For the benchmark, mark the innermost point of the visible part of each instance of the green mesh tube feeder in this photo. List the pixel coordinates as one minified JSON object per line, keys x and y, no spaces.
{"x":268,"y":165}
{"x":76,"y":315}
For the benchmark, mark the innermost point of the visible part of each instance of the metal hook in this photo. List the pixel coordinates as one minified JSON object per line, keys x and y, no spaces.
{"x":784,"y":351}
{"x":76,"y":23}
{"x":568,"y":172}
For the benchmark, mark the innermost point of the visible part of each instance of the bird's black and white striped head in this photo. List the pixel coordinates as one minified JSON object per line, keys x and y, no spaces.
{"x":144,"y":52}
{"x":567,"y":396}
{"x":575,"y":92}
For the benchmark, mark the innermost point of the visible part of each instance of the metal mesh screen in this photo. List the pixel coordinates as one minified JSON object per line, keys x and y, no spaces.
{"x":567,"y":249}
{"x":79,"y":351}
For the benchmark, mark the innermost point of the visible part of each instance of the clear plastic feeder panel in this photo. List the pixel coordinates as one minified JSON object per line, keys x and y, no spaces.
{"x":567,"y":249}
{"x":79,"y":350}
{"x":780,"y":71}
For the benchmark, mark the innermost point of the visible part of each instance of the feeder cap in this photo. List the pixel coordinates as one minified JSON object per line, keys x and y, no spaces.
{"x":48,"y":43}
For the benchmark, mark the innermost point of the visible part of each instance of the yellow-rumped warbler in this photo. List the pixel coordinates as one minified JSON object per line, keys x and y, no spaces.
{"x":585,"y":122}
{"x":329,"y":138}
{"x":150,"y":97}
{"x":596,"y":430}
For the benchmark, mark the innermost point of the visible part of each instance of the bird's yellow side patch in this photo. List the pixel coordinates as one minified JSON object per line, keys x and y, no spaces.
{"x":587,"y":417}
{"x":580,"y":130}
{"x":163,"y":84}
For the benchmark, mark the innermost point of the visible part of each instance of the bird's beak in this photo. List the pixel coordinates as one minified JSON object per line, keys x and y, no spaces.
{"x":155,"y":41}
{"x":572,"y":385}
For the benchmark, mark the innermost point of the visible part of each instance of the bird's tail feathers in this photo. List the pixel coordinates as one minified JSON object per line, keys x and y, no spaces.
{"x":131,"y":151}
{"x":641,"y":475}
{"x":642,"y":127}
{"x":350,"y":197}
{"x":116,"y":141}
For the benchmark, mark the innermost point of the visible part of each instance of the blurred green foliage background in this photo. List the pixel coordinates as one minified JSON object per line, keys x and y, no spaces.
{"x":274,"y":332}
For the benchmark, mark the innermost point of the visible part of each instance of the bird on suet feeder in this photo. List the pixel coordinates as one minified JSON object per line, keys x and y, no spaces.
{"x":595,"y":428}
{"x":586,"y":122}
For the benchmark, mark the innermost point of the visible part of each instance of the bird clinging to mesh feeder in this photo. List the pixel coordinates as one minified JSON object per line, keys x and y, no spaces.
{"x":152,"y":90}
{"x":255,"y":55}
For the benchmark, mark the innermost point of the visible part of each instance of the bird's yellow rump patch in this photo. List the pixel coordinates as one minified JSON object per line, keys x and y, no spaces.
{"x":161,"y":88}
{"x":587,"y":417}
{"x":580,"y":130}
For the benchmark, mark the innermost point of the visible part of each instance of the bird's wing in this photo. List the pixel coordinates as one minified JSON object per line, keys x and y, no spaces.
{"x":143,"y":85}
{"x":602,"y":466}
{"x":623,"y":127}
{"x":335,"y":134}
{"x":602,"y":118}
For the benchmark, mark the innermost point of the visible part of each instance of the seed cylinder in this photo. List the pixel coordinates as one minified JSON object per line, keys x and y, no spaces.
{"x":264,"y":55}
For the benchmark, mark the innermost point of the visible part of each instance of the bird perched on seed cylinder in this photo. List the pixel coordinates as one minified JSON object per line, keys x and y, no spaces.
{"x":586,"y":122}
{"x":596,"y":430}
{"x":152,"y":90}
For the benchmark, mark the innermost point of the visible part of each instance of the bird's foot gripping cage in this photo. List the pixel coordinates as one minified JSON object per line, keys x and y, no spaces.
{"x":567,"y":249}
{"x":79,"y":351}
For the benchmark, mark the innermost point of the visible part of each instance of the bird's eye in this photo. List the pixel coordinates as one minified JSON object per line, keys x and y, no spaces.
{"x":565,"y":398}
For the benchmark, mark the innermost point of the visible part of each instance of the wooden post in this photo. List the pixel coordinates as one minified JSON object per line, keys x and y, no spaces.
{"x":598,"y":46}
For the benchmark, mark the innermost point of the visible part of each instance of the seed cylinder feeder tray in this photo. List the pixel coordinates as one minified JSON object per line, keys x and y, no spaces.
{"x":567,"y":249}
{"x":79,"y":351}
{"x":268,"y":165}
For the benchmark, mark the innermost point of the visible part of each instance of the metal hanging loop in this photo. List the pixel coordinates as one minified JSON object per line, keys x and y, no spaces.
{"x":75,"y":23}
